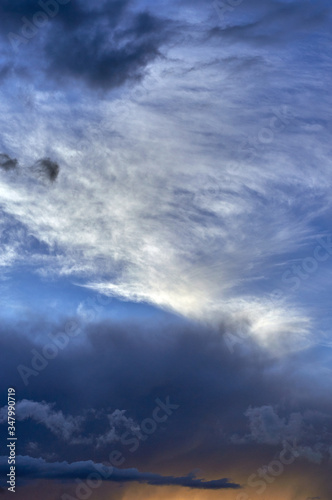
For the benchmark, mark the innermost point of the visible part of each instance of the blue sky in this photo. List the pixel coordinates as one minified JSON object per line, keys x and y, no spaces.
{"x":167,"y":166}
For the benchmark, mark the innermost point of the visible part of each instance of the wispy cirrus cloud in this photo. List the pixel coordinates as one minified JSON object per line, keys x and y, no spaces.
{"x":157,"y":201}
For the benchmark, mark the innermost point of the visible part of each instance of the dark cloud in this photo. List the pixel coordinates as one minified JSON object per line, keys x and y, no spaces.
{"x":12,"y":11}
{"x":69,"y":428}
{"x":20,"y":16}
{"x":110,"y":44}
{"x":105,"y":383}
{"x":227,"y":403}
{"x":33,"y":468}
{"x":106,"y":56}
{"x":7,"y":163}
{"x":46,"y":169}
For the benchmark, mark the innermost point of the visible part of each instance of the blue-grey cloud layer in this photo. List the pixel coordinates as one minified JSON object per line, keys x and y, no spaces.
{"x":95,"y":395}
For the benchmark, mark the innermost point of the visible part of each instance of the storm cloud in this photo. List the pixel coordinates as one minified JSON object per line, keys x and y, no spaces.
{"x":226,"y":405}
{"x":46,"y":169}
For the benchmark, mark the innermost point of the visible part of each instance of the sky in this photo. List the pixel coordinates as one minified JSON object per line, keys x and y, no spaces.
{"x":166,"y":248}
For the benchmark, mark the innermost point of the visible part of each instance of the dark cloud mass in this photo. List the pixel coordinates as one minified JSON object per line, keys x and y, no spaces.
{"x":7,"y":163}
{"x":12,"y":11}
{"x":102,"y":45}
{"x":166,"y":248}
{"x":43,"y":169}
{"x":84,"y":401}
{"x":33,"y":468}
{"x":46,"y":169}
{"x":271,"y":23}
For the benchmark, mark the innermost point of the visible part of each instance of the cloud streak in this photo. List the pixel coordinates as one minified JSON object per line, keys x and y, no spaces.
{"x":32,"y":469}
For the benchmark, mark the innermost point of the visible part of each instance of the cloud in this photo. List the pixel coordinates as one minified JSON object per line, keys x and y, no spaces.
{"x":43,"y":413}
{"x":168,"y":193}
{"x":195,"y":176}
{"x":189,"y":364}
{"x":46,"y":169}
{"x":33,"y":468}
{"x":267,"y":427}
{"x":111,"y":43}
{"x":7,"y":163}
{"x":230,"y":406}
{"x":118,"y":424}
{"x":107,"y":57}
{"x":302,"y":429}
{"x":43,"y":169}
{"x":69,"y":428}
